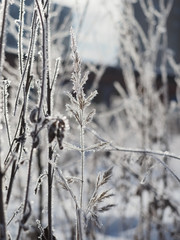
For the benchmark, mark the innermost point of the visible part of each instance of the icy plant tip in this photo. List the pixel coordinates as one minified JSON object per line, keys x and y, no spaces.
{"x":79,"y":101}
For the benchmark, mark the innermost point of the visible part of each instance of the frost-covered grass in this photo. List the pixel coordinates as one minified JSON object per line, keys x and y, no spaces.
{"x":72,"y":169}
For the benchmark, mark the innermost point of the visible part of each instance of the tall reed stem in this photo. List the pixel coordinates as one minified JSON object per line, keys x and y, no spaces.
{"x":49,"y":111}
{"x":82,"y":160}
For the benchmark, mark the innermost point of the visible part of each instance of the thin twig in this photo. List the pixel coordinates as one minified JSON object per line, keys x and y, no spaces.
{"x":5,"y":5}
{"x":6,"y":112}
{"x":151,"y":153}
{"x":132,"y":150}
{"x":166,"y":167}
{"x":3,"y":234}
{"x":67,"y":186}
{"x":20,"y":36}
{"x":79,"y":232}
{"x":29,"y":57}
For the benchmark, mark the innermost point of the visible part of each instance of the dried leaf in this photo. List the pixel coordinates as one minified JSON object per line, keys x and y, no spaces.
{"x":57,"y":129}
{"x":39,"y":182}
{"x":98,"y":180}
{"x":46,"y":233}
{"x":85,"y":78}
{"x":97,"y":147}
{"x":106,"y":176}
{"x":52,"y":132}
{"x":106,"y":208}
{"x":34,"y":116}
{"x":70,"y":146}
{"x":26,"y":214}
{"x":90,"y":116}
{"x":104,"y":195}
{"x":60,"y":136}
{"x":95,"y":219}
{"x":35,"y":139}
{"x":91,"y":97}
{"x":72,"y":99}
{"x":74,"y":113}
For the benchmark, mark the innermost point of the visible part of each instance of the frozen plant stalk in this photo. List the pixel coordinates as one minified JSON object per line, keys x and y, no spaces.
{"x":79,"y":103}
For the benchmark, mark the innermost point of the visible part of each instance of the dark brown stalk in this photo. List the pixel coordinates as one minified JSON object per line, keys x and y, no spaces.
{"x":14,"y":164}
{"x":13,"y":172}
{"x":50,"y":179}
{"x":40,"y":169}
{"x":2,"y":214}
{"x":44,"y":18}
{"x":50,"y":154}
